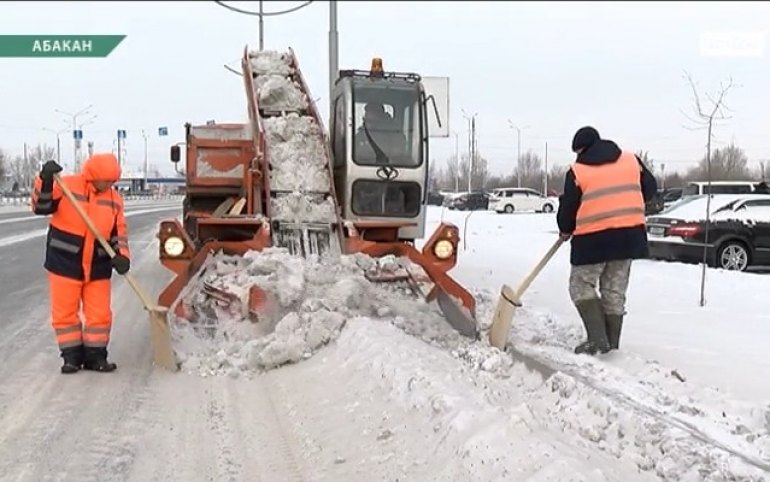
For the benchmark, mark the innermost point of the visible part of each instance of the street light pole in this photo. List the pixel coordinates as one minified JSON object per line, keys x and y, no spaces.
{"x":518,"y":150}
{"x":144,"y":135}
{"x":75,"y":143}
{"x":471,"y":144}
{"x":261,"y":27}
{"x":334,"y":54}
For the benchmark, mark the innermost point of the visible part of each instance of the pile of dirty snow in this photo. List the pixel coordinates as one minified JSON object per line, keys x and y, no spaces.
{"x":297,"y":155}
{"x":270,"y":62}
{"x":303,"y":208}
{"x":279,"y":93}
{"x":307,"y":303}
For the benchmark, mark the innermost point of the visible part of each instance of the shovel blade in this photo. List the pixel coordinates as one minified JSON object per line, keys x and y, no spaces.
{"x":456,"y":315}
{"x":160,"y":335}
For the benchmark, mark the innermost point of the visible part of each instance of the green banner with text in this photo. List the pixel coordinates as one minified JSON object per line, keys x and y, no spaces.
{"x":58,"y":45}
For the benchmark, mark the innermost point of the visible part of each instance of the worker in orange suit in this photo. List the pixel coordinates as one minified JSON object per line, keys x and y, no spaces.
{"x":79,"y":269}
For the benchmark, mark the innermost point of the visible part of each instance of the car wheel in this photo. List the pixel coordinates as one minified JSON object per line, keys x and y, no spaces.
{"x":733,"y":256}
{"x":508,"y":209}
{"x":547,"y":208}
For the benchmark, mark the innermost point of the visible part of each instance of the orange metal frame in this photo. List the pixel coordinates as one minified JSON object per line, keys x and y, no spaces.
{"x":375,"y":239}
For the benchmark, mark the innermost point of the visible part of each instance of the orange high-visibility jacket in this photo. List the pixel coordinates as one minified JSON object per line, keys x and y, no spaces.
{"x":71,"y":250}
{"x":611,"y":195}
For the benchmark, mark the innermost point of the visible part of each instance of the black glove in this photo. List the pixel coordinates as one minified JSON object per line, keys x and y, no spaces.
{"x":49,"y":169}
{"x":121,"y":264}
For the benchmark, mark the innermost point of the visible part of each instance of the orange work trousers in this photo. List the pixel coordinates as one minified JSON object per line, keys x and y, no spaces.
{"x":66,"y":297}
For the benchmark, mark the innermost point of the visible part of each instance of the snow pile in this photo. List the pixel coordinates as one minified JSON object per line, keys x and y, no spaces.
{"x":296,"y":153}
{"x":303,"y":208}
{"x":307,"y":302}
{"x":279,"y":93}
{"x":269,"y":62}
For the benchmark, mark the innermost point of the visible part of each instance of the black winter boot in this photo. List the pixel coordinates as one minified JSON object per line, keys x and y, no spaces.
{"x":96,"y":360}
{"x":614,"y":325}
{"x":592,"y":314}
{"x":73,"y":359}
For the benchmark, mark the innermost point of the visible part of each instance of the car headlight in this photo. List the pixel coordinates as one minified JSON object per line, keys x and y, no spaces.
{"x":173,"y":246}
{"x":443,"y":249}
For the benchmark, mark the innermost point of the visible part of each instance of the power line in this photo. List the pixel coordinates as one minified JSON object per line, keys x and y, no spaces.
{"x":264,"y":14}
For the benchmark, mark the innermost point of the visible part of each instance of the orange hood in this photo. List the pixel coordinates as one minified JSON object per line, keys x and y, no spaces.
{"x":101,"y":167}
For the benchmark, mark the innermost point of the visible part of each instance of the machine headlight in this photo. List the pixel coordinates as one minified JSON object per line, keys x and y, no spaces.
{"x":173,"y":246}
{"x":443,"y":249}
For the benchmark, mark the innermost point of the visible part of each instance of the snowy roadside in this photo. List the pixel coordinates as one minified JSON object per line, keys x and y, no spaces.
{"x":680,"y":402}
{"x":493,"y":419}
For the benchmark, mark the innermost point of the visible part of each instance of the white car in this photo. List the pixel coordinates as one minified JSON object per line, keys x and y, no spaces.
{"x":513,"y":199}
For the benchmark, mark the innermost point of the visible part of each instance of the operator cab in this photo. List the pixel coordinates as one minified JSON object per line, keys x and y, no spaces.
{"x":379,"y":138}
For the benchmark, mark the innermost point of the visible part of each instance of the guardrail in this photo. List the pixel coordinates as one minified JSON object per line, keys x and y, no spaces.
{"x":25,"y":200}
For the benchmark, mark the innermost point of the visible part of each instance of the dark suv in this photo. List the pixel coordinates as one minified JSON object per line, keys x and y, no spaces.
{"x":470,"y":201}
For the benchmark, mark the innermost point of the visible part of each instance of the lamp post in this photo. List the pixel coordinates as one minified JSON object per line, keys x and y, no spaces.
{"x":58,"y":142}
{"x":75,"y":142}
{"x":471,"y":145}
{"x":518,"y":150}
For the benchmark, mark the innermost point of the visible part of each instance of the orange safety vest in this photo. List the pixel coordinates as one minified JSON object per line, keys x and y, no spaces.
{"x":612,"y":195}
{"x":71,"y":250}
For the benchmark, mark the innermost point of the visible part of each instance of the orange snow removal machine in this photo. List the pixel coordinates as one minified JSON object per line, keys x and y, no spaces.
{"x":281,"y":181}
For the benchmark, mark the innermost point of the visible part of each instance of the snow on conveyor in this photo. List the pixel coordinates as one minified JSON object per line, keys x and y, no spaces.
{"x":299,"y":173}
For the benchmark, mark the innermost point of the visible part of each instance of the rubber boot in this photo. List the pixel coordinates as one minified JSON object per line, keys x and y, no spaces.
{"x":96,"y":360}
{"x":73,"y":359}
{"x":592,"y":314}
{"x":614,"y":326}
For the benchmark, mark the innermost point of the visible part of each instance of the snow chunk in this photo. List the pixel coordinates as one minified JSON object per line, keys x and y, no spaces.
{"x":268,"y":62}
{"x":297,"y":154}
{"x":303,"y":208}
{"x":307,"y":304}
{"x":279,"y":93}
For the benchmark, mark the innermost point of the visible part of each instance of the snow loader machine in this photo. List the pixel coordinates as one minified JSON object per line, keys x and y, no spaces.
{"x":280,"y":180}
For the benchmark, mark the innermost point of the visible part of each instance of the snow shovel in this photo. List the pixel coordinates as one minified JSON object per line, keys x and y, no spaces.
{"x":163,"y":352}
{"x":509,"y":300}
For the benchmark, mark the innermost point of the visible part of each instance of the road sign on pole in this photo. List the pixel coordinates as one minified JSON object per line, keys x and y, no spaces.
{"x":77,"y":135}
{"x":121,"y":134}
{"x":163,"y":131}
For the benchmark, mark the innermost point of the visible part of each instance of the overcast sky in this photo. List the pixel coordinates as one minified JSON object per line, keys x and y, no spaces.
{"x":548,"y":65}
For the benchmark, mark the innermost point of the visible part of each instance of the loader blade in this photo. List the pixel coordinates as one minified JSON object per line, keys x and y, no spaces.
{"x":456,"y":314}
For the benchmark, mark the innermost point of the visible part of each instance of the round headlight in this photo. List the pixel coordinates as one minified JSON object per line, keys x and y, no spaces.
{"x":173,"y":246}
{"x":443,"y":249}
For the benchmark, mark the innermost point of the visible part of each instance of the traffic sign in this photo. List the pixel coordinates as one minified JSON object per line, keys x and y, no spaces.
{"x":77,"y":135}
{"x":121,"y":134}
{"x":163,"y":131}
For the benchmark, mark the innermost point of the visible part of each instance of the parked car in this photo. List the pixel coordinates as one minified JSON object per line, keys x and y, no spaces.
{"x":738,"y":231}
{"x":470,"y":201}
{"x":512,"y":199}
{"x":435,"y":199}
{"x":654,"y":205}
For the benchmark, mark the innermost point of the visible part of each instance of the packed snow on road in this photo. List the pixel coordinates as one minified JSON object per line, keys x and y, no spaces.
{"x":345,"y":379}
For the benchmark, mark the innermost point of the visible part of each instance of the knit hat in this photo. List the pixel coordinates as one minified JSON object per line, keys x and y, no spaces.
{"x":584,"y":137}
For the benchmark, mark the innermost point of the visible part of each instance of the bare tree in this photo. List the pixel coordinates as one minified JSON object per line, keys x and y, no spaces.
{"x":704,"y":118}
{"x":3,"y":166}
{"x":556,"y":176}
{"x":728,"y":163}
{"x":530,"y":170}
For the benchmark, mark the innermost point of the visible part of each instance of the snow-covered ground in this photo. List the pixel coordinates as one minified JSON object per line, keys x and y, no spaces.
{"x":380,"y":388}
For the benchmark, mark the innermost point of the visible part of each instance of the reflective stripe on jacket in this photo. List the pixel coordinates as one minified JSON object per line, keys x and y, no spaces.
{"x":611,"y":195}
{"x":71,"y":250}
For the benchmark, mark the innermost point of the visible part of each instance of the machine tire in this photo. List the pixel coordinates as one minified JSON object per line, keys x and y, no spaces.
{"x":738,"y":251}
{"x":508,"y":209}
{"x":547,"y":208}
